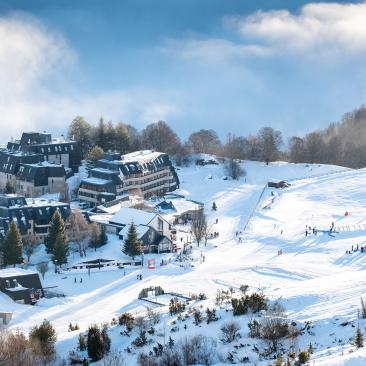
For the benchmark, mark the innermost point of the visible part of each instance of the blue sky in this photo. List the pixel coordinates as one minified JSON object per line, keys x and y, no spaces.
{"x":234,"y":66}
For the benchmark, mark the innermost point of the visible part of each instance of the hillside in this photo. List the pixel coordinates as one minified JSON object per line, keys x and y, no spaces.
{"x":315,"y":279}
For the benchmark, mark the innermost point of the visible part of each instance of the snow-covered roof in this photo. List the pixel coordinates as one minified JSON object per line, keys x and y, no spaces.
{"x":127,"y":215}
{"x":142,"y":156}
{"x":140,"y":229}
{"x":96,"y":181}
{"x":10,"y":272}
{"x":101,"y":218}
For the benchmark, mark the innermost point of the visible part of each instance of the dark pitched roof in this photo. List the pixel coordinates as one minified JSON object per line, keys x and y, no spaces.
{"x":42,"y":143}
{"x":106,"y":174}
{"x":10,"y":160}
{"x":39,"y":173}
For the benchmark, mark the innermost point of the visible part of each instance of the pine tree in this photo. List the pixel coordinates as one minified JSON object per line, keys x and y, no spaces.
{"x":359,"y":338}
{"x":95,"y":344}
{"x":197,"y":316}
{"x":171,"y":342}
{"x":46,"y":335}
{"x":60,"y":250}
{"x":9,"y":188}
{"x":132,"y":246}
{"x":214,"y":206}
{"x":103,"y":238}
{"x":12,"y":246}
{"x":57,"y":228}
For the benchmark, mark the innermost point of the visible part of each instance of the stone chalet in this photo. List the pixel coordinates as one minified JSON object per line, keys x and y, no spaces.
{"x":154,"y":232}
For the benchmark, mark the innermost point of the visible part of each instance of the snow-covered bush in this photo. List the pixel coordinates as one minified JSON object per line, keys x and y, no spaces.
{"x":230,"y":331}
{"x":126,"y":319}
{"x":199,"y":350}
{"x":254,"y":302}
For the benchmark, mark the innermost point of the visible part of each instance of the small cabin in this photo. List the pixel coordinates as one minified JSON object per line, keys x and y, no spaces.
{"x":24,"y":287}
{"x":279,"y":184}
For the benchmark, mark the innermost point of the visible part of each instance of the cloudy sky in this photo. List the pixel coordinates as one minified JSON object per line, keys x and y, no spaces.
{"x":230,"y":65}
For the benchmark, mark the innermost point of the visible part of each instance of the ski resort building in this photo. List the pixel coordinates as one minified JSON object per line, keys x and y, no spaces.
{"x":176,"y":209}
{"x":154,"y":232}
{"x":32,"y":216}
{"x":22,"y":286}
{"x":35,"y":180}
{"x":53,"y":150}
{"x":145,"y":173}
{"x":28,"y":175}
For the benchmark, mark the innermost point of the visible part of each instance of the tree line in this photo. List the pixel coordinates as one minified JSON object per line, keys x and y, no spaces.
{"x":159,"y":136}
{"x":342,"y":143}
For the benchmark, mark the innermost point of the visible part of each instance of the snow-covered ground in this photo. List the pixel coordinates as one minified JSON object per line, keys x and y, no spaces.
{"x":314,"y":277}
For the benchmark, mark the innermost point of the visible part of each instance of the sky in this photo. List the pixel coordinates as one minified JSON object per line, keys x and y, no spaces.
{"x":230,"y":65}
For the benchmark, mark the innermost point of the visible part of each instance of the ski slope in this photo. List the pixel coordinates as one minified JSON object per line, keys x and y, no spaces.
{"x":315,"y":278}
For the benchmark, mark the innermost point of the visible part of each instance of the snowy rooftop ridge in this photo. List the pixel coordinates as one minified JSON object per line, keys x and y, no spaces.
{"x":142,"y":156}
{"x":126,"y":215}
{"x":9,"y":272}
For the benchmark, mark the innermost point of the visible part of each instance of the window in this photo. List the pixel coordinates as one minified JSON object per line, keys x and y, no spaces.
{"x":160,"y":225}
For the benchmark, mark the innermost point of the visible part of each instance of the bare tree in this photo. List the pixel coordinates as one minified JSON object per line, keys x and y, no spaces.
{"x":79,"y":230}
{"x":204,"y":141}
{"x":230,"y":331}
{"x":94,"y":237}
{"x":297,"y":150}
{"x":42,"y":268}
{"x":236,"y":147}
{"x":160,"y":137}
{"x":153,"y":316}
{"x":314,"y":147}
{"x":234,"y":170}
{"x":273,"y":330}
{"x":270,"y":142}
{"x":29,"y":245}
{"x":16,"y":349}
{"x":199,"y":226}
{"x":114,"y":358}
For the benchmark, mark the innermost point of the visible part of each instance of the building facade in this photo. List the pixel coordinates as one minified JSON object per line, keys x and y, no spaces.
{"x":32,"y":216}
{"x":145,"y":173}
{"x":23,"y":287}
{"x":53,"y":150}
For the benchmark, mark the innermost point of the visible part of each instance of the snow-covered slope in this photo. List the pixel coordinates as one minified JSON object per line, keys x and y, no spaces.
{"x":314,"y":276}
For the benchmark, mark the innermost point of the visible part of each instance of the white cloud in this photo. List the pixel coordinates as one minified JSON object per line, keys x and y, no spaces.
{"x":212,"y":50}
{"x":37,"y":91}
{"x":322,"y":27}
{"x":28,"y":53}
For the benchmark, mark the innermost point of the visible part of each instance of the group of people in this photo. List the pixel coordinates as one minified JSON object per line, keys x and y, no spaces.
{"x":215,"y":234}
{"x":310,"y":230}
{"x":356,"y":249}
{"x":75,"y":280}
{"x":139,"y":277}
